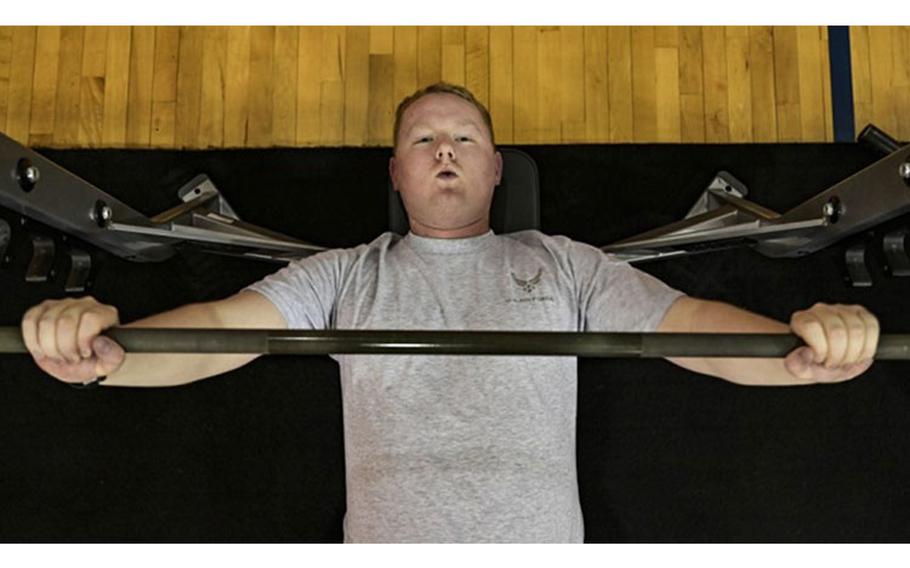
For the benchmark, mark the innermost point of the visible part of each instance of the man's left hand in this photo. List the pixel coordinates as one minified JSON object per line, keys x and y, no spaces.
{"x":840,"y":342}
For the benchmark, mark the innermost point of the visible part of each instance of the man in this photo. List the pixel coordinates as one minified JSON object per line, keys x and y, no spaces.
{"x":449,"y":448}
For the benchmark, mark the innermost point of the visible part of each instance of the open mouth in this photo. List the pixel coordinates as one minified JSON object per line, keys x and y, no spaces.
{"x":447,"y":175}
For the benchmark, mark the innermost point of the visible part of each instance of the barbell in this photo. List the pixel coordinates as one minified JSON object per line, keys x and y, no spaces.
{"x":433,"y":342}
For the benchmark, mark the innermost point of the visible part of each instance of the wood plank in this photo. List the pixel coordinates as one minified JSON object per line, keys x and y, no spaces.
{"x":69,"y":79}
{"x":284,"y":93}
{"x":525,"y":73}
{"x":717,"y":115}
{"x":901,"y":80}
{"x":142,"y":74}
{"x":212,"y":89}
{"x":666,"y":36}
{"x":739,"y":84}
{"x":189,"y":87}
{"x":691,"y":85}
{"x":669,"y":121}
{"x":501,"y":73}
{"x":164,"y":87}
{"x":690,"y":61}
{"x":382,"y":40}
{"x":381,"y":106}
{"x":94,"y":51}
{"x":44,"y":85}
{"x":620,"y":88}
{"x":308,"y":84}
{"x":644,"y":85}
{"x":116,"y":87}
{"x":91,"y":89}
{"x":22,"y":70}
{"x":862,"y":80}
{"x":262,"y":51}
{"x":572,"y":87}
{"x":477,"y":63}
{"x":453,"y":55}
{"x":786,"y":84}
{"x":825,"y":68}
{"x":237,"y":86}
{"x":692,"y":118}
{"x":810,"y":87}
{"x":884,"y":112}
{"x":91,"y":111}
{"x":6,"y":55}
{"x":356,"y":85}
{"x":597,"y":85}
{"x":331,"y":94}
{"x":429,"y":55}
{"x":6,"y":50}
{"x":405,"y":54}
{"x":549,"y":124}
{"x":764,"y":105}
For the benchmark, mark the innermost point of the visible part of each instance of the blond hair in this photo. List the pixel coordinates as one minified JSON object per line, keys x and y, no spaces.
{"x":442,"y":88}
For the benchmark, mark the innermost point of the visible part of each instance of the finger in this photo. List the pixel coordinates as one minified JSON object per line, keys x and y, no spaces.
{"x":872,"y":334}
{"x":67,"y":328}
{"x":47,"y":330}
{"x":810,"y":329}
{"x":81,"y":372}
{"x":800,"y":363}
{"x":856,"y":334}
{"x":836,"y":334}
{"x":30,"y":330}
{"x":109,"y":355}
{"x":93,"y":322}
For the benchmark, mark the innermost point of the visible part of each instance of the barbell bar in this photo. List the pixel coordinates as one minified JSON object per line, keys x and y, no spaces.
{"x":433,"y":342}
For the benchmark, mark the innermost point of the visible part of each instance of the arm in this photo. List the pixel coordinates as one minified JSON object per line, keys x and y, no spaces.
{"x":63,"y":337}
{"x":840,"y":342}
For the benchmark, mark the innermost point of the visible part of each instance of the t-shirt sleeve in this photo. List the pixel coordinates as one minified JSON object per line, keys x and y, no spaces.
{"x":614,"y":296}
{"x":305,"y":290}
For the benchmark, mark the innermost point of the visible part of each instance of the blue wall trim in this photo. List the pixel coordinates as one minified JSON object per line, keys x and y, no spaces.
{"x":841,"y":83}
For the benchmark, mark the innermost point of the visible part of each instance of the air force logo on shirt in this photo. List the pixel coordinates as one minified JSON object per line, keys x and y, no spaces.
{"x":529,"y":286}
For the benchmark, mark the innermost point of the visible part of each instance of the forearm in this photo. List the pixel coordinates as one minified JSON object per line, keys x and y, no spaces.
{"x":166,"y":369}
{"x":705,"y":316}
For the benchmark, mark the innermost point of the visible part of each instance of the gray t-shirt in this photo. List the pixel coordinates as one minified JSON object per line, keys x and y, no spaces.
{"x":463,"y":448}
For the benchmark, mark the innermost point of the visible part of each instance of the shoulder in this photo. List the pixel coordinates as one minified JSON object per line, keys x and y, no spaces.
{"x":375,"y":247}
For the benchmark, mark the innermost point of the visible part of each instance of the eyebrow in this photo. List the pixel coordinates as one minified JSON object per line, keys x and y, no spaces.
{"x":459,"y":124}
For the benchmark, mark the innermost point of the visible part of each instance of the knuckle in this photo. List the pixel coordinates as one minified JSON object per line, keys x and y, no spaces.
{"x":856,"y":329}
{"x":838,"y":330}
{"x":67,"y":321}
{"x":47,"y":320}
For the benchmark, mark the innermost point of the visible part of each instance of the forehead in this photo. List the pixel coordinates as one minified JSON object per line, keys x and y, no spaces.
{"x":441,"y":107}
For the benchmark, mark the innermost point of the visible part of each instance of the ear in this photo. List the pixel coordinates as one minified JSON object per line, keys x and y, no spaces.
{"x":392,"y":170}
{"x":498,"y":168}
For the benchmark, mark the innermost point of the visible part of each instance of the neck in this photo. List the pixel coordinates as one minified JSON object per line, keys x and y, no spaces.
{"x":475,"y":229}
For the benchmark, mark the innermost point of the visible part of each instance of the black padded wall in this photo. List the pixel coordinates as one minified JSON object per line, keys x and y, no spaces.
{"x":663,"y":454}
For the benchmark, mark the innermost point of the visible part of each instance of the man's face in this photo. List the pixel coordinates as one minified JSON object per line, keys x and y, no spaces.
{"x":445,"y":167}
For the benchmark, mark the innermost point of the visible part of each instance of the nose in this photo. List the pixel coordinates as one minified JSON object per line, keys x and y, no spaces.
{"x":445,"y":150}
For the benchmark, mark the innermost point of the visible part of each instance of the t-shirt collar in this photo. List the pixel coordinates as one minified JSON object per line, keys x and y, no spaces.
{"x":448,"y":246}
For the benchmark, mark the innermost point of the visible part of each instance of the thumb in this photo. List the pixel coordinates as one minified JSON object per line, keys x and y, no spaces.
{"x":800,"y":362}
{"x":109,"y":355}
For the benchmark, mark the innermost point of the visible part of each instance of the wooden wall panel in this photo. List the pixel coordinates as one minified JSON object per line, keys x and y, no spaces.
{"x":691,"y":85}
{"x":6,"y":57}
{"x":213,"y":87}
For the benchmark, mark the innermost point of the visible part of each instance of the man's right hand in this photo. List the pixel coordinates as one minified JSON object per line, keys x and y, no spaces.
{"x":63,"y":337}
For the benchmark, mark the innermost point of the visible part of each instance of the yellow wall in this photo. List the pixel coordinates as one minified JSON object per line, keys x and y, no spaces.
{"x":194,"y":87}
